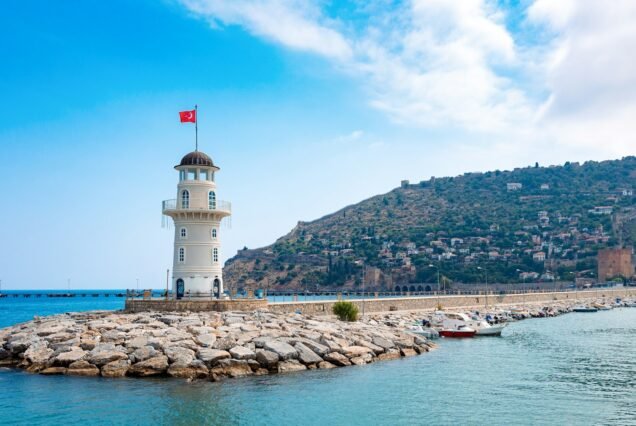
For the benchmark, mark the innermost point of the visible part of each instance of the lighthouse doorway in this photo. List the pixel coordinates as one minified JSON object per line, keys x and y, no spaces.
{"x":216,"y":289}
{"x":180,"y":288}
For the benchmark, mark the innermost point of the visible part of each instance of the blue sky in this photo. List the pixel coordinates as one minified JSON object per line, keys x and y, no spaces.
{"x":305,"y":106}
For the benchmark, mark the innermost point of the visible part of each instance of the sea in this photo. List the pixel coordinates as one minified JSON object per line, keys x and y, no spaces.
{"x":576,"y":369}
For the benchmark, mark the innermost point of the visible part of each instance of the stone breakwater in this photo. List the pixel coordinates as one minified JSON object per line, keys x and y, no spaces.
{"x":199,"y":345}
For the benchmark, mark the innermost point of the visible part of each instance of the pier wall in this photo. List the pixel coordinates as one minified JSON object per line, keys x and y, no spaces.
{"x":431,"y":302}
{"x":162,"y":305}
{"x":324,"y":307}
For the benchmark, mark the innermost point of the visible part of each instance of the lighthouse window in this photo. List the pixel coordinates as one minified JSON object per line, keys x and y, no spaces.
{"x":184,"y":233}
{"x":211,"y":200}
{"x":181,"y":174}
{"x":203,"y":175}
{"x":214,"y":233}
{"x":192,"y":174}
{"x":215,"y":255}
{"x":181,"y":254}
{"x":185,"y":199}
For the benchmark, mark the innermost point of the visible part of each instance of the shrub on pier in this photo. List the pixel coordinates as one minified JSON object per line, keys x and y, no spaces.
{"x":345,"y":311}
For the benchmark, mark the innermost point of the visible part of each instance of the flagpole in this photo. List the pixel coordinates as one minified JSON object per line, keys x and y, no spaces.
{"x":196,"y":128}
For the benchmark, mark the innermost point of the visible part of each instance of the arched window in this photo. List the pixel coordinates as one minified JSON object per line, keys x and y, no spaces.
{"x":211,"y":200}
{"x":214,"y":233}
{"x":183,"y":233}
{"x":181,"y":254}
{"x":215,"y":255}
{"x":185,"y":199}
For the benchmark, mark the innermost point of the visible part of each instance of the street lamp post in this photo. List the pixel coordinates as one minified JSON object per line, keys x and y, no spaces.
{"x":438,"y":281}
{"x":486,"y":291}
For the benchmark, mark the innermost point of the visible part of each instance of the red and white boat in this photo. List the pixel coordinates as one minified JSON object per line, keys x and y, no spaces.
{"x":459,"y":331}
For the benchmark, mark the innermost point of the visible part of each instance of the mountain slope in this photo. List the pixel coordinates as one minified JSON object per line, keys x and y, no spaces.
{"x":503,"y":222}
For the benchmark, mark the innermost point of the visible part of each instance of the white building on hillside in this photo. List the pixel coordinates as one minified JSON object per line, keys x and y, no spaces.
{"x":197,"y":213}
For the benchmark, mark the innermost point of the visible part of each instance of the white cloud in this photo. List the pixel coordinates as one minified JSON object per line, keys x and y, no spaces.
{"x":591,"y":76}
{"x":440,"y":63}
{"x":294,"y":24}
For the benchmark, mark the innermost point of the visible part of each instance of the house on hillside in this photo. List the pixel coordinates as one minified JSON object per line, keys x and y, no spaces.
{"x":601,"y":210}
{"x":545,"y":187}
{"x":538,"y":256}
{"x":514,"y":186}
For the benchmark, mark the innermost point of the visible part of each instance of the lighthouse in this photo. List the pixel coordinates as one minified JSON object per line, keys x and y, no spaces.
{"x":197,"y":213}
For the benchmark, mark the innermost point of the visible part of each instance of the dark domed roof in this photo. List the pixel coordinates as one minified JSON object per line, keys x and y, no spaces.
{"x":196,"y":158}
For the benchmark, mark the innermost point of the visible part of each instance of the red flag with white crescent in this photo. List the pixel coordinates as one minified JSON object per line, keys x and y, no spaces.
{"x":188,"y":116}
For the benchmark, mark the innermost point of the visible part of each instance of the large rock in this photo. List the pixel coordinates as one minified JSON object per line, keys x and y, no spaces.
{"x":408,"y":352}
{"x":82,"y":368}
{"x":353,"y":351}
{"x":316,"y":347}
{"x":324,"y":365}
{"x":388,"y":355}
{"x":194,"y":370}
{"x":284,"y":350}
{"x":230,"y":368}
{"x":53,"y":371}
{"x":290,"y":366}
{"x":205,"y":340}
{"x":362,"y":359}
{"x":225,"y":343}
{"x":66,"y":358}
{"x":306,"y":355}
{"x":177,"y":354}
{"x":267,"y":359}
{"x":150,"y":367}
{"x":105,"y":353}
{"x":137,"y":342}
{"x":212,"y":356}
{"x":143,"y":353}
{"x":117,"y":368}
{"x":375,"y":348}
{"x":38,"y":353}
{"x":383,"y":343}
{"x":241,"y":352}
{"x":338,"y":359}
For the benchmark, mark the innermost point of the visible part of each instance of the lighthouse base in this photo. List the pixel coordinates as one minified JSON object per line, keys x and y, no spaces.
{"x":138,"y":305}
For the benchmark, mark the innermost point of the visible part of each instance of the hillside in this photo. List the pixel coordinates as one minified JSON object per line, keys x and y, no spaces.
{"x":527,"y":224}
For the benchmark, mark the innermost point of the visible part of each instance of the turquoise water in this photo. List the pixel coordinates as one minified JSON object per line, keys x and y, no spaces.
{"x":575,"y":369}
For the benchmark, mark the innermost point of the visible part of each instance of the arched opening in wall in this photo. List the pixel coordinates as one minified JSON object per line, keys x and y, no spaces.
{"x":420,"y":288}
{"x":405,"y":289}
{"x":185,"y":199}
{"x":397,"y":288}
{"x":216,"y":288}
{"x":412,"y":288}
{"x":428,"y":288}
{"x":180,"y":288}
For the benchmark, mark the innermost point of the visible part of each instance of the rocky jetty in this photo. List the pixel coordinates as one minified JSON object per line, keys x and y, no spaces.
{"x":199,"y":345}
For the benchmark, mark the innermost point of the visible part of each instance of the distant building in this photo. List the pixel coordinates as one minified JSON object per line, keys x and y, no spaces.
{"x":404,"y":183}
{"x":538,"y":256}
{"x":514,"y":186}
{"x":615,"y":263}
{"x":601,"y":210}
{"x":545,"y":187}
{"x":627,"y":192}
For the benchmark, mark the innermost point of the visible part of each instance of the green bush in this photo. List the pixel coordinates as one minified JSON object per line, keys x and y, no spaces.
{"x":345,"y":311}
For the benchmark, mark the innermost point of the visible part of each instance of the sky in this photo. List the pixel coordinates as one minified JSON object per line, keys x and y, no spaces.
{"x":307,"y":106}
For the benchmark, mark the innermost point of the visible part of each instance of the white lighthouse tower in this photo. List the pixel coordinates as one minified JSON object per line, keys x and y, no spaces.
{"x":197,"y":215}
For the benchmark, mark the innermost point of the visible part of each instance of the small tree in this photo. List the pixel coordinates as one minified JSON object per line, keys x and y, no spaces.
{"x":345,"y":311}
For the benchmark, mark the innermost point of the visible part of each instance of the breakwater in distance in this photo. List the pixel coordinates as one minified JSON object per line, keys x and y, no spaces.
{"x":373,"y":304}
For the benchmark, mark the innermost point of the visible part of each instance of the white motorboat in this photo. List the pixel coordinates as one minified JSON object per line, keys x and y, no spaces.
{"x":428,"y":332}
{"x":455,"y":320}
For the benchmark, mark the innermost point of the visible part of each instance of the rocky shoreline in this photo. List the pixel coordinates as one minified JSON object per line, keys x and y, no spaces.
{"x":214,"y":346}
{"x":198,"y":345}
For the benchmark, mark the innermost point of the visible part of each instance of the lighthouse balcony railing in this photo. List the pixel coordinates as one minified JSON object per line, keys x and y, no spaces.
{"x":194,"y":204}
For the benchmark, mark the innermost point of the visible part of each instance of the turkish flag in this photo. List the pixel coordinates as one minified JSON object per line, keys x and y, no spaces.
{"x":188,"y":116}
